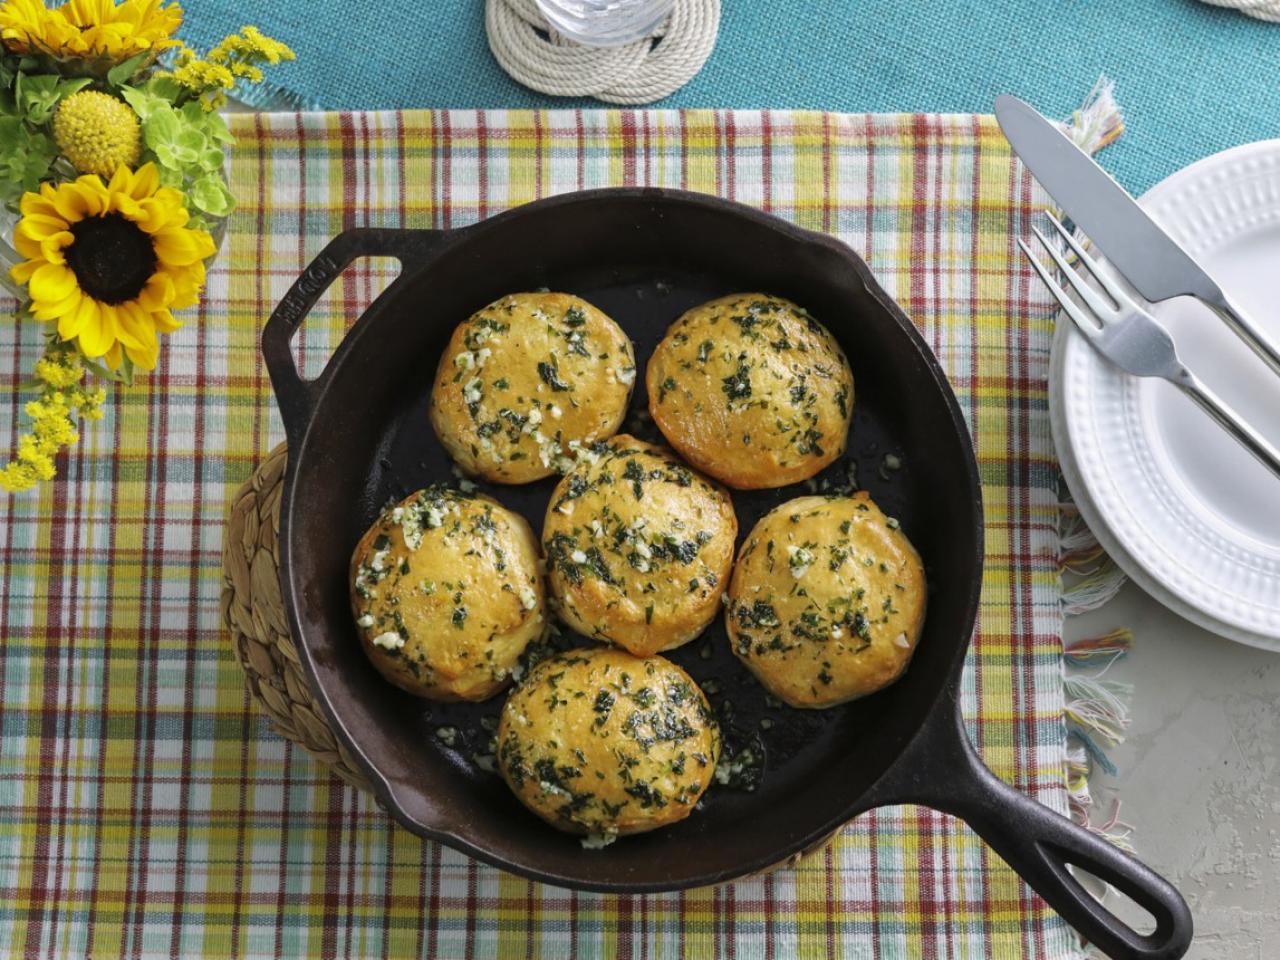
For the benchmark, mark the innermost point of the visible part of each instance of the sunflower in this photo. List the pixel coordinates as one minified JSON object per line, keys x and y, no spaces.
{"x":89,"y":29}
{"x":108,"y":262}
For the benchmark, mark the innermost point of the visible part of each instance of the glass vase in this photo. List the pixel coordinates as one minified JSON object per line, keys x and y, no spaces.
{"x":9,"y":257}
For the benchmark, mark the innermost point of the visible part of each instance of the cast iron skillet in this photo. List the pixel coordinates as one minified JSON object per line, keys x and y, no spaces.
{"x":358,"y":436}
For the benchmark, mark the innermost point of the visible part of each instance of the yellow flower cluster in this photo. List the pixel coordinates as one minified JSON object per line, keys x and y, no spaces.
{"x":53,"y":415}
{"x":237,"y":57}
{"x":89,"y":29}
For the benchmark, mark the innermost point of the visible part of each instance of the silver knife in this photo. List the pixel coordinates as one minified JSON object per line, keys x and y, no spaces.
{"x":1145,"y":255}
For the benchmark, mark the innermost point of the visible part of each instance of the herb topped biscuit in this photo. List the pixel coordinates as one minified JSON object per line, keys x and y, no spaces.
{"x":752,"y":390}
{"x":638,"y":546}
{"x":447,"y":594}
{"x":827,"y":600}
{"x":600,"y":742}
{"x":526,"y":380}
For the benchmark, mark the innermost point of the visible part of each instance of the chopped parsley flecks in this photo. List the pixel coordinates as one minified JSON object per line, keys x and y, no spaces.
{"x":635,"y":473}
{"x":757,"y":614}
{"x":842,"y":400}
{"x":737,"y":386}
{"x":549,"y":371}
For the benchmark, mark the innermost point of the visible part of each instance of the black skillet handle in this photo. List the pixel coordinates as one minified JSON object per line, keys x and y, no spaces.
{"x":295,"y":395}
{"x":940,"y":769}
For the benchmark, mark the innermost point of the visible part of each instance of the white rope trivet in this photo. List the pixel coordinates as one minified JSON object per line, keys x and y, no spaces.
{"x":1262,"y":9}
{"x":638,"y":72}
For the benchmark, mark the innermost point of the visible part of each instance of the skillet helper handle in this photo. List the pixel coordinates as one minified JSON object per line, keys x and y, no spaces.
{"x":942,"y":770}
{"x":294,"y":395}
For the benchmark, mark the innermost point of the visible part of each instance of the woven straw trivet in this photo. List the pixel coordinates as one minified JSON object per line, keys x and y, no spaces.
{"x":254,"y":614}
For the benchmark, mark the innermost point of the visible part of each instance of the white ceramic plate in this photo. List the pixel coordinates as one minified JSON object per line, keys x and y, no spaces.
{"x":1182,"y":508}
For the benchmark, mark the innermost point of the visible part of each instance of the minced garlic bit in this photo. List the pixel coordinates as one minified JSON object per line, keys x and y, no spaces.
{"x":626,"y":375}
{"x":366,"y":621}
{"x":578,"y":556}
{"x":800,"y":560}
{"x":528,"y":597}
{"x":598,"y":841}
{"x":389,"y":640}
{"x":902,"y":641}
{"x":447,"y":735}
{"x":471,"y":390}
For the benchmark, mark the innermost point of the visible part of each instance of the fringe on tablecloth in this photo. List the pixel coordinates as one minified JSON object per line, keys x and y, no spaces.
{"x":1096,"y":708}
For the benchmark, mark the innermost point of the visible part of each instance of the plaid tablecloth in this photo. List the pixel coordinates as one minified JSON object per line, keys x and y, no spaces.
{"x":145,"y":807}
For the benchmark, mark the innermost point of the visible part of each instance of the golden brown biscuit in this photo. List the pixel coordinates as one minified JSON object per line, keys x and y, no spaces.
{"x":447,"y":594}
{"x":752,"y":390}
{"x":827,"y":600}
{"x":526,"y":379}
{"x":638,"y":546}
{"x":601,"y":742}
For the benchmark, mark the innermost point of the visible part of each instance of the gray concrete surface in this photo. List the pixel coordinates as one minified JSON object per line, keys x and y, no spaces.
{"x":1199,"y":776}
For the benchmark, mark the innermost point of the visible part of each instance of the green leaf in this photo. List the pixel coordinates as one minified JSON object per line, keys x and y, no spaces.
{"x":37,"y":97}
{"x":194,"y":114}
{"x":161,"y":126}
{"x":67,"y":87}
{"x":143,"y":102}
{"x":97,"y":369}
{"x":190,"y":138}
{"x":166,"y":88}
{"x":123,"y":72}
{"x":213,"y":160}
{"x":171,"y":178}
{"x":216,"y":127}
{"x":25,"y":157}
{"x":168,"y":158}
{"x":211,"y":195}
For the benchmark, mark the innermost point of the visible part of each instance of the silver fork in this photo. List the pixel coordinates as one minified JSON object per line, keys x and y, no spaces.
{"x":1135,"y":341}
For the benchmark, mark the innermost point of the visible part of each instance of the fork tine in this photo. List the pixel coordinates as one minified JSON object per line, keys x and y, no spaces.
{"x":1107,"y":283}
{"x":1101,"y":308}
{"x":1086,"y":324}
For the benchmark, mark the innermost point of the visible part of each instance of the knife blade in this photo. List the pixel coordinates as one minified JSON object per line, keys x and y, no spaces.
{"x":1152,"y":261}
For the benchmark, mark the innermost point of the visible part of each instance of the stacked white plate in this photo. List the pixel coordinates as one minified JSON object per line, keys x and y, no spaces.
{"x":1178,"y":504}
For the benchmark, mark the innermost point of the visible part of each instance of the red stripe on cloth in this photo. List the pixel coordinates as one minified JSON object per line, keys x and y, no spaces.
{"x":766,"y":167}
{"x":433,"y":907}
{"x":445,"y":161}
{"x":874,"y":867}
{"x":482,"y":157}
{"x":539,"y":171}
{"x":580,"y":130}
{"x":627,"y":134}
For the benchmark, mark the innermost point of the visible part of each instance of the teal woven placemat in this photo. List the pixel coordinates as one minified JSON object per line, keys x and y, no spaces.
{"x":1193,"y":79}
